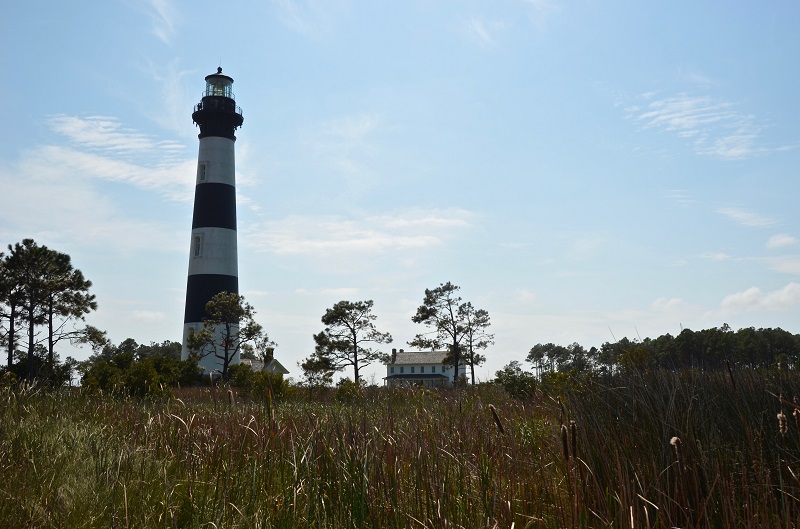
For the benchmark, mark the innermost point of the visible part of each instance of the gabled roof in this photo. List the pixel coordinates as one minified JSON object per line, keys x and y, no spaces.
{"x":418,"y":357}
{"x":273,"y":366}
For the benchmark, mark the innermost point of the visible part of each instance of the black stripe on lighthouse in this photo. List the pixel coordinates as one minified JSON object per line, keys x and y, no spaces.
{"x":201,"y":288}
{"x":214,"y":206}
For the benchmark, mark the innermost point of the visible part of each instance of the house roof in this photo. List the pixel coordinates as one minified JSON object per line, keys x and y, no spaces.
{"x":418,"y":357}
{"x":275,"y":367}
{"x":272,"y":366}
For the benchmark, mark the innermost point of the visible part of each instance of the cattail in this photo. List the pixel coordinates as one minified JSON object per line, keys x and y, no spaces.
{"x":796,"y":412}
{"x":676,"y":442}
{"x":231,"y":400}
{"x":573,"y":429}
{"x":496,"y":418}
{"x":564,"y":442}
{"x":782,"y":424}
{"x":730,"y":374}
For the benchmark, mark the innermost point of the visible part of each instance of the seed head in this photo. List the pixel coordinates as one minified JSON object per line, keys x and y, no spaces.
{"x":782,"y":424}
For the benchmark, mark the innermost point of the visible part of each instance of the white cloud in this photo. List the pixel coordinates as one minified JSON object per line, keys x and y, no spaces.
{"x":754,"y":299}
{"x":781,"y":240}
{"x":56,"y":191}
{"x":324,"y":237}
{"x":680,"y":197}
{"x":789,"y":265}
{"x":716,"y":128}
{"x":162,"y":14}
{"x":668,"y":305}
{"x":746,"y":218}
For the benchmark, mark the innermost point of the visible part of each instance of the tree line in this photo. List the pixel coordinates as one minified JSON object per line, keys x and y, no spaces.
{"x":44,"y":300}
{"x":709,"y":349}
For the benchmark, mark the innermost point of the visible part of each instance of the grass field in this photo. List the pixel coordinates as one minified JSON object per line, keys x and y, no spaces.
{"x":687,"y":449}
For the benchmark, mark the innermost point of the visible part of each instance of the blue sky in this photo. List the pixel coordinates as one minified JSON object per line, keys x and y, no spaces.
{"x":583,"y":170}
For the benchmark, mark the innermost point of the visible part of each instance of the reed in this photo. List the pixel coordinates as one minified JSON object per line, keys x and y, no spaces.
{"x":410,"y":458}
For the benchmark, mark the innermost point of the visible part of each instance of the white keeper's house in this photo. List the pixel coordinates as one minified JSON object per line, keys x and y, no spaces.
{"x":420,"y":368}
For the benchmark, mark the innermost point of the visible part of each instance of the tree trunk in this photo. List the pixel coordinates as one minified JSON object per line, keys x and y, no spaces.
{"x":12,"y":317}
{"x":50,"y":336}
{"x":30,"y":340}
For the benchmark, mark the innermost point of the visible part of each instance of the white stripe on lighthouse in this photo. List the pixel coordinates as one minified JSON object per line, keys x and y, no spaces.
{"x":216,"y":160}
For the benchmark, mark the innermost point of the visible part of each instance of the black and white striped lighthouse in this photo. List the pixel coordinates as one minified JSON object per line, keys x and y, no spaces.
{"x":213,"y":266}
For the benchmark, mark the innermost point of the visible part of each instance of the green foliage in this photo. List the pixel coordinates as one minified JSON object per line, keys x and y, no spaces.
{"x":259,"y":385}
{"x":518,"y":383}
{"x":561,"y":383}
{"x":149,"y":377}
{"x":348,"y":391}
{"x":710,"y":349}
{"x":228,"y":327}
{"x":454,"y":324}
{"x":39,"y":287}
{"x":349,"y":331}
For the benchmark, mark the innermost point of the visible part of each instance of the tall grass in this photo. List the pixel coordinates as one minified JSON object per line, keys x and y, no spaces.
{"x":409,"y":458}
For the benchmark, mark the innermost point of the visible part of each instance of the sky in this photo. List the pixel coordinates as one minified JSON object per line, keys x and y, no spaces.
{"x":584,"y":170}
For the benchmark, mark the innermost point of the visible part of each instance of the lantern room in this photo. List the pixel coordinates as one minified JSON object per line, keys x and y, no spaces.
{"x":219,"y":85}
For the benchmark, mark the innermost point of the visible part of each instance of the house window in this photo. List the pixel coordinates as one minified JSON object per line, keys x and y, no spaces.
{"x":197,"y":245}
{"x":402,"y":369}
{"x":391,"y":369}
{"x":412,"y":369}
{"x":201,"y":171}
{"x":421,"y":369}
{"x":443,"y":369}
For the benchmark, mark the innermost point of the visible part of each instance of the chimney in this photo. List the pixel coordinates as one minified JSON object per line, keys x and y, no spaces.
{"x":269,"y":354}
{"x":394,"y":355}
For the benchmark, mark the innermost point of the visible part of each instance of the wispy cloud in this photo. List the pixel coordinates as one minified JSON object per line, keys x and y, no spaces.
{"x":781,"y":240}
{"x":101,"y":148}
{"x":716,"y":128}
{"x":346,"y":147}
{"x":668,"y":305}
{"x":162,"y":14}
{"x":57,"y":191}
{"x":754,"y":299}
{"x":482,"y":30}
{"x":680,"y":197}
{"x":310,"y":18}
{"x":717,"y":256}
{"x":540,"y":11}
{"x":746,"y":218}
{"x":371,"y":235}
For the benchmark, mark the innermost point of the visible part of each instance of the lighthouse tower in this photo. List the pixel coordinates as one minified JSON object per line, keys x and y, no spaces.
{"x":213,"y":266}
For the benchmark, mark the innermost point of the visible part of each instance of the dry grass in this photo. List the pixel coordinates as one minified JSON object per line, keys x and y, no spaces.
{"x":473,"y":458}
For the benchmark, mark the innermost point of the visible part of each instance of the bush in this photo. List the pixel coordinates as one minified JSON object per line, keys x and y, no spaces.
{"x":518,"y":383}
{"x":348,"y":391}
{"x":149,"y":377}
{"x":258,"y":385}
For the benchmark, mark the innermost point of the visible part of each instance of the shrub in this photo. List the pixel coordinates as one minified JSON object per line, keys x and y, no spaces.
{"x":518,"y":383}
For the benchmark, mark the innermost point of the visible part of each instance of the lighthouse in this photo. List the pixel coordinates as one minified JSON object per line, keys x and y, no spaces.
{"x":213,"y":266}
